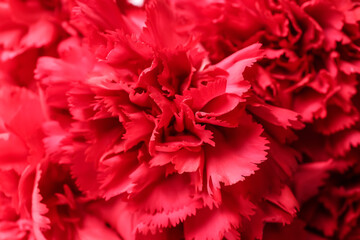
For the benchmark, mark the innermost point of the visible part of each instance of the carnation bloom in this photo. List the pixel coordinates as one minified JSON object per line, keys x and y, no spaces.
{"x":146,"y":123}
{"x":311,"y":52}
{"x":334,"y":212}
{"x":329,"y":206}
{"x":312,"y":72}
{"x":310,"y":66}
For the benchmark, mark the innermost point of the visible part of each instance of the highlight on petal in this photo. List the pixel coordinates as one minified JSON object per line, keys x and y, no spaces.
{"x":285,"y":200}
{"x":139,"y":128}
{"x":278,"y":116}
{"x":38,"y":209}
{"x":224,"y":110}
{"x":235,"y":66}
{"x":17,"y":104}
{"x":201,"y":95}
{"x":11,"y":156}
{"x":184,"y":160}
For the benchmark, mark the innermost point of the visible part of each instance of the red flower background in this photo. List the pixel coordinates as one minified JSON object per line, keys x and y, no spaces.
{"x":179,"y":119}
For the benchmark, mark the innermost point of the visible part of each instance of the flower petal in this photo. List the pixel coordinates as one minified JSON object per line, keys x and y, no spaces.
{"x":236,"y":153}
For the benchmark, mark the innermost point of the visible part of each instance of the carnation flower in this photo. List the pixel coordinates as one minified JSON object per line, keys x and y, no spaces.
{"x":333,"y":212}
{"x":310,"y":50}
{"x":156,"y":130}
{"x":310,"y":66}
{"x":307,"y":74}
{"x":329,"y":205}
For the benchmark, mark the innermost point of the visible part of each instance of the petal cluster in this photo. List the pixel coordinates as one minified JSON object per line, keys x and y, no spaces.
{"x":175,"y":119}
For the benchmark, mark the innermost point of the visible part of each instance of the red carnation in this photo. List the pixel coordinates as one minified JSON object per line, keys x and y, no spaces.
{"x":160,"y":132}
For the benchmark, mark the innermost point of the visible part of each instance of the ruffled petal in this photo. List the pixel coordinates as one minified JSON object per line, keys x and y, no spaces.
{"x":38,"y":209}
{"x":166,"y":203}
{"x":342,"y":142}
{"x":160,"y":20}
{"x":138,"y":129}
{"x":236,"y":153}
{"x":217,"y":222}
{"x":184,"y":160}
{"x":114,"y":172}
{"x":236,"y":64}
{"x":336,"y":119}
{"x":224,"y":110}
